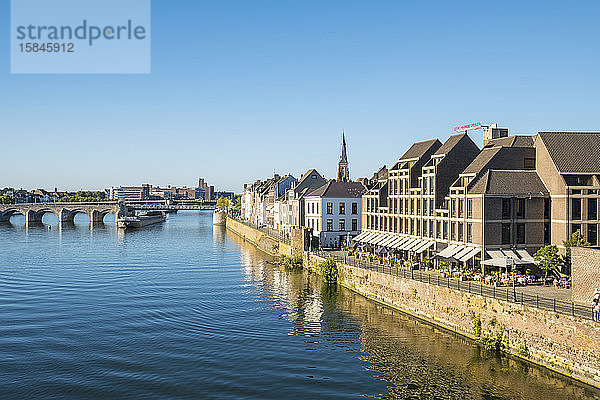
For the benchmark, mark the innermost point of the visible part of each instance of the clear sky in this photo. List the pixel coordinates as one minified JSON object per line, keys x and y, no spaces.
{"x":241,"y":88}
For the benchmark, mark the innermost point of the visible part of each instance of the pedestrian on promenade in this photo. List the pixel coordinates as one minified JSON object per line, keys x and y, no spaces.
{"x":596,"y":306}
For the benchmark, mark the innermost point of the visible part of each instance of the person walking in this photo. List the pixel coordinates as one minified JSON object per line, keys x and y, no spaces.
{"x":596,"y":306}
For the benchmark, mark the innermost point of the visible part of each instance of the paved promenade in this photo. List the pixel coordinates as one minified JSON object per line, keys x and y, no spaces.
{"x":536,"y":295}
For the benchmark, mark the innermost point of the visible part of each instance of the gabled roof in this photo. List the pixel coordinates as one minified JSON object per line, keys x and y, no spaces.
{"x":334,"y":188}
{"x":450,"y":143}
{"x":511,"y":141}
{"x":417,"y":150}
{"x":573,"y":152}
{"x":509,"y":182}
{"x":482,"y":159}
{"x":307,"y":181}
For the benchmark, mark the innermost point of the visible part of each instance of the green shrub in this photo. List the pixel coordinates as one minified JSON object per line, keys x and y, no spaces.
{"x":476,"y":324}
{"x":294,"y":262}
{"x":329,"y":271}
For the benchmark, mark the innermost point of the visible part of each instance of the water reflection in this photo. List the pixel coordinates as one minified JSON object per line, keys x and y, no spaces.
{"x":417,"y":360}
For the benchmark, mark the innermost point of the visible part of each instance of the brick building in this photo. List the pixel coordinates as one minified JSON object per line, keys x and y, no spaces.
{"x":464,"y":204}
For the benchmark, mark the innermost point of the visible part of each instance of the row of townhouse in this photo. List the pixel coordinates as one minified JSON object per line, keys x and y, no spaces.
{"x":331,"y":209}
{"x":33,"y":196}
{"x":513,"y":196}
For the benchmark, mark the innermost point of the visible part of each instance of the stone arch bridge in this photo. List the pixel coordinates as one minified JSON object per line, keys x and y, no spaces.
{"x":66,"y":212}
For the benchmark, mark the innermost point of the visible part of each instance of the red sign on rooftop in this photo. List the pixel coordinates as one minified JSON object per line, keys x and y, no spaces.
{"x":468,"y":127}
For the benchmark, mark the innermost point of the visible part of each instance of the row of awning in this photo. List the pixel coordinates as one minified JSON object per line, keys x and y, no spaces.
{"x":396,"y":242}
{"x":461,"y":253}
{"x":518,"y":254}
{"x":417,"y":245}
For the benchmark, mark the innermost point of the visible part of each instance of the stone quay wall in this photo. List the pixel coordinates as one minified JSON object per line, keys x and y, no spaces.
{"x":565,"y":344}
{"x":259,"y":239}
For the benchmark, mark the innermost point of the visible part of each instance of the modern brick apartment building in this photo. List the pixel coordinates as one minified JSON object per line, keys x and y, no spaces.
{"x":512,"y":197}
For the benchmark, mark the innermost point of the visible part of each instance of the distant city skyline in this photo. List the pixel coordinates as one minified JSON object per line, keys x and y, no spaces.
{"x":240,"y":89}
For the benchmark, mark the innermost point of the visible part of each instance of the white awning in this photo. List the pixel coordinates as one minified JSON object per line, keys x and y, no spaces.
{"x":414,"y":245}
{"x":379,"y":238}
{"x":463,"y":252}
{"x":525,"y":256}
{"x":359,"y":236}
{"x":511,"y":254}
{"x":449,"y":251}
{"x":407,"y":244}
{"x":399,"y":243}
{"x":495,"y":253}
{"x":390,"y":239}
{"x":425,"y":247}
{"x":472,"y":252}
{"x":364,"y":236}
{"x":394,"y":243}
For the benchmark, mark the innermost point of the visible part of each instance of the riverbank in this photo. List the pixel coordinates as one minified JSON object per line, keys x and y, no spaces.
{"x":565,"y":344}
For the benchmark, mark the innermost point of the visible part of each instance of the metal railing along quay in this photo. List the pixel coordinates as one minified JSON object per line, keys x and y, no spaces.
{"x":266,"y":230}
{"x":507,"y":293}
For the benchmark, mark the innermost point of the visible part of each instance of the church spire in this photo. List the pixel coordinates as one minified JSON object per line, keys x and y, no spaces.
{"x":343,"y":172}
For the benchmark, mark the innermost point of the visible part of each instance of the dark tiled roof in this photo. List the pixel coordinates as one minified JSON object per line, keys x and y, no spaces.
{"x":511,"y":141}
{"x":576,"y":152}
{"x":509,"y":182}
{"x":418,"y":149}
{"x":450,"y":143}
{"x":306,"y":181}
{"x":482,"y":159}
{"x":339,"y":189}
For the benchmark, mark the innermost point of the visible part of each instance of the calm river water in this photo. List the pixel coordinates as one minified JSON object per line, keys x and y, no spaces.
{"x":187,"y":310}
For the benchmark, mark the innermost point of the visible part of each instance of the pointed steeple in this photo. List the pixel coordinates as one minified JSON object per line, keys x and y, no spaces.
{"x":343,"y":172}
{"x":343,"y":156}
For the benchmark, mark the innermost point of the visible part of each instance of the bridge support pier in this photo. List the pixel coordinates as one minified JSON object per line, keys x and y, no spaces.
{"x":65,"y":217}
{"x":4,"y":217}
{"x":33,"y":217}
{"x":96,"y":217}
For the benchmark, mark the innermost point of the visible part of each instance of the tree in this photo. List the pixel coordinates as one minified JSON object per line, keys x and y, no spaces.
{"x":576,"y":240}
{"x":238,"y":202}
{"x":222,"y":202}
{"x":548,"y":258}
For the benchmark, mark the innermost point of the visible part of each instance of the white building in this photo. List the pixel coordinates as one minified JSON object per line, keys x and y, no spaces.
{"x":333,"y":211}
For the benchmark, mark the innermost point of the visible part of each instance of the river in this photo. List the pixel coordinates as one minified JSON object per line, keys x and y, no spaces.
{"x":187,"y":310}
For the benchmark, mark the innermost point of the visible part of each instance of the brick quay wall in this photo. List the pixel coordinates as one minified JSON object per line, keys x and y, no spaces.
{"x":566,"y":344}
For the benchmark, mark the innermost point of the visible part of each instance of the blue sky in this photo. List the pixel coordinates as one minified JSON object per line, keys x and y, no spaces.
{"x":239,"y":89}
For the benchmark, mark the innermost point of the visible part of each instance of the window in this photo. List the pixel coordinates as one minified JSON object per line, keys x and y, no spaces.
{"x":469,"y":208}
{"x":546,"y":208}
{"x":342,"y":208}
{"x":547,"y":233}
{"x":329,"y":208}
{"x":329,"y":225}
{"x":461,"y":204}
{"x":529,"y":163}
{"x":520,"y":233}
{"x":460,"y":231}
{"x":469,"y":232}
{"x":438,"y":229}
{"x":506,"y":234}
{"x":520,"y":208}
{"x":317,"y":208}
{"x":354,"y":224}
{"x":312,"y":208}
{"x":576,"y":209}
{"x":424,"y":228}
{"x":592,"y":209}
{"x":575,"y":228}
{"x":342,"y":224}
{"x":412,"y":206}
{"x":592,"y":234}
{"x":452,"y":231}
{"x":453,"y":211}
{"x":418,"y":206}
{"x":354,"y":208}
{"x":431,"y":185}
{"x":505,"y":208}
